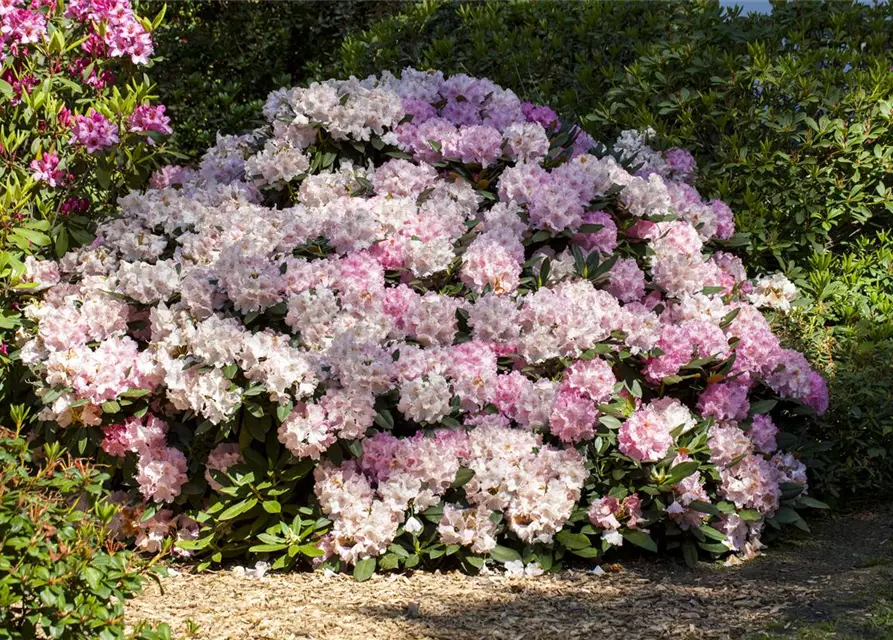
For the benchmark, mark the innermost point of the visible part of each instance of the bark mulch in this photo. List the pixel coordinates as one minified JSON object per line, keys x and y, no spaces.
{"x":836,"y":573}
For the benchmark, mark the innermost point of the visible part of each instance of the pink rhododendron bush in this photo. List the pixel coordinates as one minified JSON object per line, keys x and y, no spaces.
{"x":415,"y":320}
{"x":78,"y":128}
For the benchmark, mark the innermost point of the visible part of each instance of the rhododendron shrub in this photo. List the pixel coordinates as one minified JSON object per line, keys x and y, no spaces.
{"x":414,"y":318}
{"x":79,"y":128}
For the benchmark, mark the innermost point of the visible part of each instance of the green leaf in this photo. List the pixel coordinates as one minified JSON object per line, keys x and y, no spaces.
{"x":311,"y":550}
{"x":267,"y":548}
{"x":705,"y":507}
{"x":195,"y":545}
{"x":92,"y":576}
{"x":476,"y":562}
{"x":103,"y":176}
{"x":682,"y":471}
{"x":29,"y":236}
{"x":298,"y":471}
{"x":385,"y":420}
{"x":573,"y":541}
{"x":707,"y":291}
{"x":690,"y":553}
{"x":136,"y":393}
{"x":238,"y":509}
{"x":540,"y":236}
{"x":812,"y":502}
{"x":717,"y":548}
{"x":389,"y":561}
{"x":283,"y":411}
{"x":148,"y":513}
{"x":729,"y":318}
{"x":710,"y":532}
{"x":787,"y":515}
{"x":640,"y":539}
{"x":790,"y":490}
{"x":504,"y":554}
{"x":463,"y":476}
{"x":110,"y":407}
{"x":762,"y":406}
{"x":364,"y":569}
{"x":399,"y":550}
{"x":272,"y":506}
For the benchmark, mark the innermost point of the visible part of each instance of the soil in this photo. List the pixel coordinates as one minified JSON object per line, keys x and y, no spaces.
{"x":838,"y":573}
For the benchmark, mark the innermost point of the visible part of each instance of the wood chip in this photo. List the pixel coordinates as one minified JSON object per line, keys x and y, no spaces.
{"x":637,"y":598}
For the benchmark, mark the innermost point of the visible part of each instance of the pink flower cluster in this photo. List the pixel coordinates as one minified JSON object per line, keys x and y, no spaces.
{"x":112,"y":27}
{"x":161,"y":470}
{"x":551,"y":302}
{"x":94,"y":131}
{"x":20,"y":25}
{"x":649,"y":433}
{"x":150,"y":118}
{"x":46,"y":169}
{"x":120,"y":33}
{"x":396,"y":480}
{"x":606,"y":513}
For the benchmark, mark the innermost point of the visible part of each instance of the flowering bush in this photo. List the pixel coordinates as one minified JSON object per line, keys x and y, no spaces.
{"x":78,"y":130}
{"x":789,"y":116}
{"x":484,"y":333}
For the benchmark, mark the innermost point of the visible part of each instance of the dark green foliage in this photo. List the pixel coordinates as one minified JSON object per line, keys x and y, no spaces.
{"x":61,"y":575}
{"x":848,"y":336}
{"x":789,"y":116}
{"x":254,"y":513}
{"x":220,"y":59}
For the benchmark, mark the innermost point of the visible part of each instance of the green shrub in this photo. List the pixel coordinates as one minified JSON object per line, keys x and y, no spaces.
{"x":220,"y":59}
{"x":848,"y":335}
{"x":788,"y":114}
{"x":61,"y":574}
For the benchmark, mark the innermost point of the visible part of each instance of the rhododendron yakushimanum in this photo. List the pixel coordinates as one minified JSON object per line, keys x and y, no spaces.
{"x":488,"y":331}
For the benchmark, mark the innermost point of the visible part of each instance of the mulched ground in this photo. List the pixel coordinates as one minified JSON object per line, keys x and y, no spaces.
{"x":837,"y":573}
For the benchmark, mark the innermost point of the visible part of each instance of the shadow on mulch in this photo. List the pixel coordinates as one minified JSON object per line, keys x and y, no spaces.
{"x":834,"y":575}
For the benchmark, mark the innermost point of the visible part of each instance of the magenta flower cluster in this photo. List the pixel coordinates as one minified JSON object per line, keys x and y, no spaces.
{"x":496,"y":289}
{"x":112,"y":28}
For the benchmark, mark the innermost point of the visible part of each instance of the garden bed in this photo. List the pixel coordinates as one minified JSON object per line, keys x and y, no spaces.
{"x":839,"y":578}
